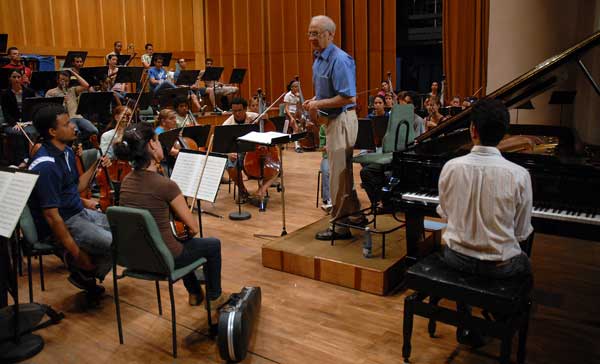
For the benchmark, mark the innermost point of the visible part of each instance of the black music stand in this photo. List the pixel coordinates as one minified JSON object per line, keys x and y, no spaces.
{"x":562,"y":98}
{"x":93,"y":75}
{"x":199,"y":133}
{"x":3,"y":43}
{"x":280,"y":123}
{"x":277,"y":142}
{"x":165,"y":56}
{"x":4,"y":74}
{"x":212,"y":74}
{"x":365,"y":138}
{"x":122,"y":59}
{"x":187,"y":77}
{"x":44,"y":80}
{"x":145,"y":99}
{"x":528,"y":105}
{"x":237,"y":77}
{"x":225,"y":141}
{"x":167,"y":96}
{"x":91,"y":102}
{"x":129,"y":74}
{"x":32,"y":104}
{"x":70,"y":58}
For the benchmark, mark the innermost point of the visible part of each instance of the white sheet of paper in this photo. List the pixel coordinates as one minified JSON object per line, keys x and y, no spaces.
{"x":262,"y":138}
{"x":13,"y":200}
{"x":211,"y":179}
{"x":187,"y":170}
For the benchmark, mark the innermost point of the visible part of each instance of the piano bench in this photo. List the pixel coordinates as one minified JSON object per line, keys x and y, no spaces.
{"x":507,"y":299}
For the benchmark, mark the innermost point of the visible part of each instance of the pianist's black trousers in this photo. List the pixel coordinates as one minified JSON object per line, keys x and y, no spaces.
{"x":373,"y":178}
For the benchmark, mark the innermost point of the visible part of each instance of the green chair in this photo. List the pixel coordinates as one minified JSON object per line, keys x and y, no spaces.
{"x":32,"y":247}
{"x":139,"y":248}
{"x":398,"y":133}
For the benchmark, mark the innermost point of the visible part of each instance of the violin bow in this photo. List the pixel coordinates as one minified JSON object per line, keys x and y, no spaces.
{"x":208,"y":150}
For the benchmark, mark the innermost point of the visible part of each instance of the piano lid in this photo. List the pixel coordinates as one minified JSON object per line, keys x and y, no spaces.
{"x":537,"y":80}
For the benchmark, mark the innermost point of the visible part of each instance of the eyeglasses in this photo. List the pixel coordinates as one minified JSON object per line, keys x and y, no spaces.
{"x":315,"y":34}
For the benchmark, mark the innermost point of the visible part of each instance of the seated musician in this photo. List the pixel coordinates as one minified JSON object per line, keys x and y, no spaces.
{"x":378,"y":107}
{"x":293,"y":110}
{"x":487,"y":203}
{"x":15,"y":62}
{"x":241,"y":116}
{"x":11,"y":101}
{"x":218,"y":89}
{"x":389,"y":100}
{"x":118,"y":87}
{"x":408,"y":97}
{"x":147,"y":57}
{"x":144,"y":188}
{"x":71,"y":95}
{"x":117,"y":48}
{"x":182,"y":110}
{"x":434,"y":118}
{"x":108,"y":138}
{"x":158,"y":76}
{"x":254,"y":105}
{"x":58,"y":210}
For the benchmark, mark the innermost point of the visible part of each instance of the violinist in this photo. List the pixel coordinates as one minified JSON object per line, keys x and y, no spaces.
{"x":122,"y":113}
{"x":144,"y":188}
{"x":167,"y":120}
{"x":182,"y":109}
{"x":241,"y":116}
{"x":293,"y":109}
{"x":60,"y":215}
{"x":11,"y":101}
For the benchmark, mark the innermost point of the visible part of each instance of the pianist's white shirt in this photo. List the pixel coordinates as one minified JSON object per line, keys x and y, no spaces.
{"x":487,"y":203}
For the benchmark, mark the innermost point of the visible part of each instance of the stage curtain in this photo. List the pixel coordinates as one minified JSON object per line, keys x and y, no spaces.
{"x":465,"y":46}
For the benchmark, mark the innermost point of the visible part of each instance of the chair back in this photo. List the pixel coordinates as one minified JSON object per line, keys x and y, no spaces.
{"x":137,"y":242}
{"x":89,"y":157}
{"x":282,"y":109}
{"x":399,"y":129}
{"x":28,"y":227}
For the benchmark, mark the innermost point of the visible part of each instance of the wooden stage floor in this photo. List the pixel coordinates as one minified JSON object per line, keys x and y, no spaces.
{"x":308,"y":321}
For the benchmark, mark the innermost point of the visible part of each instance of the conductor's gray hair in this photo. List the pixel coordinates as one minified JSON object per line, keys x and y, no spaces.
{"x":326,"y":22}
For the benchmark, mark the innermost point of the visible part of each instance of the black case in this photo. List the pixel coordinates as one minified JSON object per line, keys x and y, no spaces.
{"x":237,"y":318}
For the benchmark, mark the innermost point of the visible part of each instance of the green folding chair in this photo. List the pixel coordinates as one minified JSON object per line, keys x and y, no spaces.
{"x":139,"y":248}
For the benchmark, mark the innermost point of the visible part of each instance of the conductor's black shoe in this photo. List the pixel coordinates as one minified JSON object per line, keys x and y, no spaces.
{"x":329,"y":234}
{"x":471,"y":338}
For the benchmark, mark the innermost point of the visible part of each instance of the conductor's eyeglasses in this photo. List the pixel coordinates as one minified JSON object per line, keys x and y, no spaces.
{"x":314,"y":34}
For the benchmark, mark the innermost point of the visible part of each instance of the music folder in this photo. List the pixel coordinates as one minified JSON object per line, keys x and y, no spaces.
{"x":166,"y":58}
{"x":188,"y":168}
{"x":15,"y":187}
{"x":237,"y":76}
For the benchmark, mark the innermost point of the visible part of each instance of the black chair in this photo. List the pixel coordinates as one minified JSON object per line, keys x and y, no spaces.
{"x":507,"y":300}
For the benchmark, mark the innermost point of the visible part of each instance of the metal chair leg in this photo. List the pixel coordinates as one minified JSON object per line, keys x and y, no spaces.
{"x":42,"y":274}
{"x":29,"y":279}
{"x":318,"y":186}
{"x":117,"y":306}
{"x":173,"y":322}
{"x":158,"y":298}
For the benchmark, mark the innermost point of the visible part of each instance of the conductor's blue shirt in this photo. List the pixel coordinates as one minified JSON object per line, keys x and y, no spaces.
{"x":334,"y":73}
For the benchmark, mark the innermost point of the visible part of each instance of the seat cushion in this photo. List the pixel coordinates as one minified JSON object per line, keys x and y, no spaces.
{"x":175,"y":275}
{"x":378,"y":158}
{"x":432,"y":276}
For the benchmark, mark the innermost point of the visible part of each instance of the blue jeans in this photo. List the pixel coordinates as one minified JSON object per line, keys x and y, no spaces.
{"x":91,"y":232}
{"x":210,"y":249}
{"x":517,"y":265}
{"x":325,"y":181}
{"x":163,"y":85}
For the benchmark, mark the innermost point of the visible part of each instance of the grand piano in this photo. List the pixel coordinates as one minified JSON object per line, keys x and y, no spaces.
{"x":565,"y":172}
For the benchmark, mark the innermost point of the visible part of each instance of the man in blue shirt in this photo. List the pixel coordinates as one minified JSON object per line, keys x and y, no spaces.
{"x":334,"y":78}
{"x":57,"y":208}
{"x":158,"y":76}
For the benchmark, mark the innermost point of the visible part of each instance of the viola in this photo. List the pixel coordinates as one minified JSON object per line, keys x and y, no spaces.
{"x":109,"y":181}
{"x":264,"y":161}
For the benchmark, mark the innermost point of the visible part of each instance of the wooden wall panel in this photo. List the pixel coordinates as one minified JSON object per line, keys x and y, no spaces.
{"x":241,"y":39}
{"x":389,"y":38}
{"x":114,"y":25}
{"x":257,"y":39}
{"x":361,"y":51}
{"x":375,"y":39}
{"x":12,"y":22}
{"x":91,"y":24}
{"x":135,"y":29}
{"x":227,"y":50}
{"x":186,"y":17}
{"x":275,"y":76}
{"x":66,"y":19}
{"x":39,"y":27}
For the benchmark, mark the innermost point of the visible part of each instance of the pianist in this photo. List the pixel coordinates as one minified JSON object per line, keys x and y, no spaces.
{"x":487,"y":203}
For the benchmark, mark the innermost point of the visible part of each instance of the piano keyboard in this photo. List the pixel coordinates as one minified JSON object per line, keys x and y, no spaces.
{"x":539,"y":212}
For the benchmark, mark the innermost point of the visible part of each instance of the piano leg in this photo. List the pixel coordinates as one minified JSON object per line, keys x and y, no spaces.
{"x":415,"y":234}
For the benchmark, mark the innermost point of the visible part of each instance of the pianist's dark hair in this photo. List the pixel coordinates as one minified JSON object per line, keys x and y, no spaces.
{"x":490,"y":117}
{"x":240,"y":101}
{"x":44,"y":118}
{"x":133,"y":146}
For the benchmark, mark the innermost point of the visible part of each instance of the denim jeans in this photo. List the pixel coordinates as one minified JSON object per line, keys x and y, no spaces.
{"x":325,"y":181}
{"x":517,"y":265}
{"x":163,"y":85}
{"x":91,"y":232}
{"x":210,"y":249}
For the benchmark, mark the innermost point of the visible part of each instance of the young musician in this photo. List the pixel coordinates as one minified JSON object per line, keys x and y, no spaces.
{"x":158,"y":76}
{"x":144,"y":188}
{"x":147,"y":57}
{"x":435,"y":117}
{"x":292,"y":109}
{"x":182,"y":109}
{"x":56,"y":207}
{"x":16,"y":63}
{"x":487,"y":203}
{"x":11,"y":101}
{"x":378,"y":107}
{"x":117,"y":49}
{"x":334,"y":73}
{"x":254,"y":105}
{"x":123,"y":114}
{"x":167,"y":120}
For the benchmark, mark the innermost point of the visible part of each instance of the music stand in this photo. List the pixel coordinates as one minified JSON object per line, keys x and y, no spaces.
{"x":4,"y":74}
{"x":225,"y":142}
{"x":123,"y":58}
{"x":528,"y":105}
{"x":167,"y":140}
{"x":70,"y":58}
{"x":145,"y":99}
{"x":237,"y":76}
{"x":93,"y":75}
{"x":562,"y":98}
{"x":199,"y":133}
{"x":167,"y":96}
{"x":44,"y":80}
{"x":32,"y":104}
{"x":94,"y":103}
{"x":365,"y":138}
{"x":280,"y":123}
{"x":166,"y":58}
{"x":129,"y":74}
{"x":187,"y":77}
{"x":3,"y":43}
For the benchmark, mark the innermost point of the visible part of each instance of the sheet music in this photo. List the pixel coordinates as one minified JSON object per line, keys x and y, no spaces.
{"x":13,"y":197}
{"x":262,"y":138}
{"x":187,"y":170}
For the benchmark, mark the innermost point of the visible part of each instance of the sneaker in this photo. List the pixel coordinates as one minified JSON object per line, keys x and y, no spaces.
{"x":327,"y":208}
{"x":299,"y":150}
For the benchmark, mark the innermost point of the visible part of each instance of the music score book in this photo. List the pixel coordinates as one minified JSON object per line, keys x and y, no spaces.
{"x":188,"y":168}
{"x":15,"y":188}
